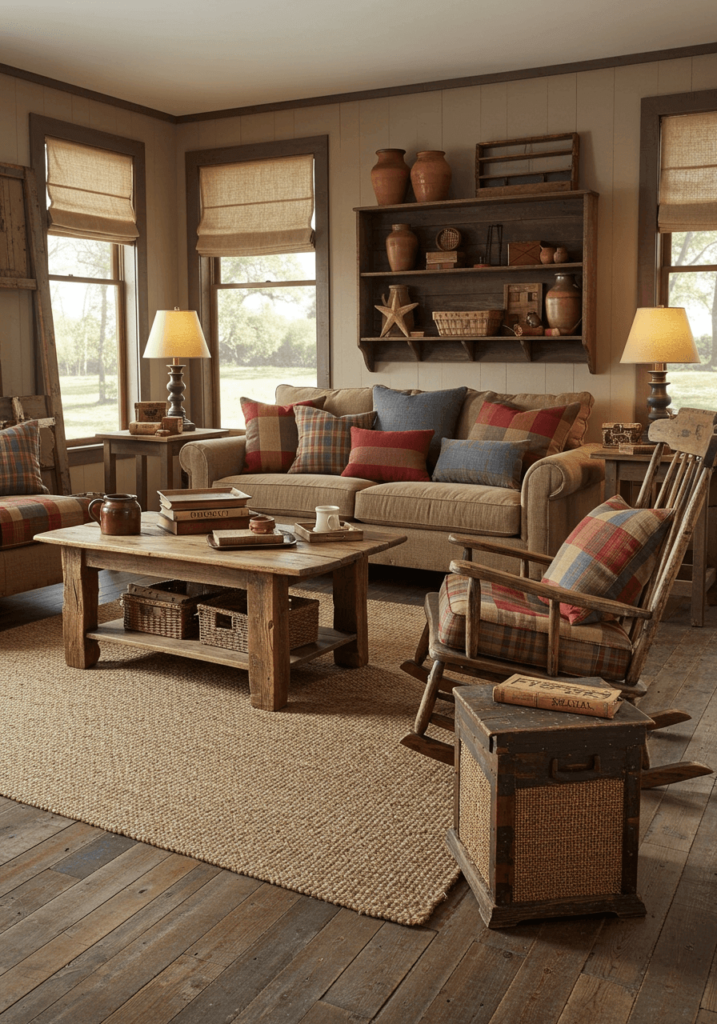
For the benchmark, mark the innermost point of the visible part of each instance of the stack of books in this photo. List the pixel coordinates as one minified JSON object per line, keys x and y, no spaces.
{"x":444,"y":260}
{"x":203,"y":510}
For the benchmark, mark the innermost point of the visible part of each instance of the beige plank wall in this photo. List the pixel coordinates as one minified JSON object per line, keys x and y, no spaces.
{"x":604,"y":106}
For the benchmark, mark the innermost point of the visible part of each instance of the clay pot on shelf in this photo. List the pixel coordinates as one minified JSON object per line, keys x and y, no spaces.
{"x":564,"y":304}
{"x":431,"y":176}
{"x":401,"y":247}
{"x":547,"y":252}
{"x":561,"y":255}
{"x":389,"y":177}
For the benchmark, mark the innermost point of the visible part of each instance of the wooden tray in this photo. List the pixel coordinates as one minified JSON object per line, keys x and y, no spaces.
{"x":306,"y":532}
{"x":203,"y":497}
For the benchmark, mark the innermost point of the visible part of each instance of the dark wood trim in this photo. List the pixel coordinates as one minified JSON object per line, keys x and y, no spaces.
{"x":90,"y":94}
{"x":200,"y":272}
{"x":138,"y":330}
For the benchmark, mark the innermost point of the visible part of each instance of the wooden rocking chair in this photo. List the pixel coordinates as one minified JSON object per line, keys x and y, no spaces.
{"x":691,"y":437}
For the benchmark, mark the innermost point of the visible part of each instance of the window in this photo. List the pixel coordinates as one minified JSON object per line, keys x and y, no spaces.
{"x":264,"y":313}
{"x":96,"y":244}
{"x":678,"y":231}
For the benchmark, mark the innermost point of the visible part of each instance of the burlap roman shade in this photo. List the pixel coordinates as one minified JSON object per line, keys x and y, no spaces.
{"x":257,"y":208}
{"x":688,"y":175}
{"x":90,"y":193}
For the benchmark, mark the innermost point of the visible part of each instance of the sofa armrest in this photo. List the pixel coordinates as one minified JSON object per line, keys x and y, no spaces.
{"x":207,"y":461}
{"x":557,"y":493}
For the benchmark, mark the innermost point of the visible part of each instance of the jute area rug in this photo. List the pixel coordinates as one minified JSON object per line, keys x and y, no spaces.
{"x":319,"y":798}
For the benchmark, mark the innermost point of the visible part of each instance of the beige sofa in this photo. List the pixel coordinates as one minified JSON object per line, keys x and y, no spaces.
{"x":556,"y":491}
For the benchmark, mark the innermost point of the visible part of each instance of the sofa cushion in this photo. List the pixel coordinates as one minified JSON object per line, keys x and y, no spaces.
{"x":451,"y":507}
{"x":546,"y":429}
{"x":385,"y":455}
{"x":286,"y":495}
{"x":428,"y":410}
{"x":611,"y":553}
{"x":23,"y":517}
{"x":325,"y":440}
{"x":337,"y":401}
{"x":271,"y":435}
{"x":20,"y":460}
{"x":475,"y":399}
{"x":494,"y":463}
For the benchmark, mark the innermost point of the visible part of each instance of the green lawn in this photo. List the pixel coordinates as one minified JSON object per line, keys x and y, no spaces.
{"x":258,"y":382}
{"x":84,"y":416}
{"x":696,"y":389}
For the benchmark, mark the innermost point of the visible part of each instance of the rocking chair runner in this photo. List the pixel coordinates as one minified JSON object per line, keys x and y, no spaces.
{"x":615,"y":649}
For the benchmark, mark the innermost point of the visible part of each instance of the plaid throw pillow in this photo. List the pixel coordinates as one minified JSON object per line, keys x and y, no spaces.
{"x":546,"y":429}
{"x":610,"y":553}
{"x":492,"y":463}
{"x":20,"y":460}
{"x":271,"y":435}
{"x":386,"y":455}
{"x":325,"y":440}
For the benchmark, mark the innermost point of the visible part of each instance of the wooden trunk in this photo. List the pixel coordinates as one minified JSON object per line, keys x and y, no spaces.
{"x":547,"y":808}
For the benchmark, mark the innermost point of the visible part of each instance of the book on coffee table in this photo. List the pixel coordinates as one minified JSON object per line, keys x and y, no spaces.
{"x":248,"y":539}
{"x":204,"y":525}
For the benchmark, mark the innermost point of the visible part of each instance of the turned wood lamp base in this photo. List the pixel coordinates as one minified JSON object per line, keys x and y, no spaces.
{"x":175,"y":389}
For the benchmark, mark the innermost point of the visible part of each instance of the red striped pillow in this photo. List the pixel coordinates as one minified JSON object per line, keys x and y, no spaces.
{"x":388,"y":455}
{"x":271,"y":434}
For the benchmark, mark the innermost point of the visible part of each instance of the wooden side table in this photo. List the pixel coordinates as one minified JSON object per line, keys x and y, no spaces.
{"x":622,"y":469}
{"x":142,"y":445}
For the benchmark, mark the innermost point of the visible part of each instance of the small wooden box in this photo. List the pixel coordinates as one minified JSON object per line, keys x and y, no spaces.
{"x":547,"y":808}
{"x":523,"y":254}
{"x":614,"y":434}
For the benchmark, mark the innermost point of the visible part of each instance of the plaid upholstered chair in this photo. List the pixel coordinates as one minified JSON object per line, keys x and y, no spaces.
{"x":597,"y":607}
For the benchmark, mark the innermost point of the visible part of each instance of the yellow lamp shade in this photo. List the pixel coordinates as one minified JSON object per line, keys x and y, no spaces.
{"x":176,"y":333}
{"x":660,"y":334}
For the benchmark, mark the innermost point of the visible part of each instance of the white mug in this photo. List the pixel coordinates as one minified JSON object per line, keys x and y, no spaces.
{"x":327,"y":519}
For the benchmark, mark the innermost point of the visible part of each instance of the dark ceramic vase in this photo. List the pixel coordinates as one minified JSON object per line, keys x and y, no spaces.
{"x":564,"y":304}
{"x":389,"y":177}
{"x":119,"y":515}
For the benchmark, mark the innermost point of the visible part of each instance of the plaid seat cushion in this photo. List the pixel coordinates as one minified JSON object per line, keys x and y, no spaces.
{"x":492,"y":463}
{"x":22,"y":518}
{"x":271,"y":435}
{"x":514,"y":626}
{"x":388,"y":455}
{"x":612,"y":553}
{"x":547,"y":430}
{"x":325,"y":440}
{"x":20,"y":460}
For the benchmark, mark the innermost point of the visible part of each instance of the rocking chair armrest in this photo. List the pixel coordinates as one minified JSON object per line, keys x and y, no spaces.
{"x":475,"y":544}
{"x":553,"y":594}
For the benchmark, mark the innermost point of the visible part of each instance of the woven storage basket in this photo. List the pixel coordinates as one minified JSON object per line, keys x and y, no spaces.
{"x":224,"y":622}
{"x":472,"y":323}
{"x":166,"y":609}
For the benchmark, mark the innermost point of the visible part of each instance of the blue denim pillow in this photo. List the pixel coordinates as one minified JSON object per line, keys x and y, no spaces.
{"x":493,"y":463}
{"x":431,"y":410}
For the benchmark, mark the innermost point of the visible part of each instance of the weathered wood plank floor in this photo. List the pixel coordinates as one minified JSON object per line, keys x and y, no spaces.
{"x":96,"y":927}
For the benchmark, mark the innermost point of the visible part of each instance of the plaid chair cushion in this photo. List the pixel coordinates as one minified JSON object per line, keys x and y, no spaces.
{"x":514,"y":626}
{"x":547,"y":430}
{"x":387,"y":455}
{"x":492,"y":463}
{"x":271,"y":435}
{"x":21,"y":518}
{"x":20,"y":460}
{"x":325,"y":440}
{"x":611,"y":553}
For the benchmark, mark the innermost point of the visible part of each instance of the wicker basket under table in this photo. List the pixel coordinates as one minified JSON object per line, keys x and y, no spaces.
{"x":471,"y":323}
{"x":165,"y":609}
{"x":224,"y":621}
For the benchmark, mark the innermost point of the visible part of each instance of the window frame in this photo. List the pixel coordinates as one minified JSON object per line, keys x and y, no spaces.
{"x":203,"y":272}
{"x":133,"y":319}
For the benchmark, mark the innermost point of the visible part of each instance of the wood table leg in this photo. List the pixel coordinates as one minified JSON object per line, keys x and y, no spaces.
{"x":110,"y":469}
{"x":166,"y":471}
{"x":140,"y":473}
{"x":79,"y":610}
{"x":268,"y":623}
{"x":351,"y":612}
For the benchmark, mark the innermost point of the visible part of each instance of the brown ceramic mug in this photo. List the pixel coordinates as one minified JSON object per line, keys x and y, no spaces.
{"x":119,"y":515}
{"x":261,"y":524}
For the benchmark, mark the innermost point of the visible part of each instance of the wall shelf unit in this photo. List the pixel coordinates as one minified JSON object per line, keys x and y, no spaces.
{"x":560,"y":218}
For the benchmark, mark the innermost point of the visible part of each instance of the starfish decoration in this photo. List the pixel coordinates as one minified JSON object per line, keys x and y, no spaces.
{"x":395,"y":314}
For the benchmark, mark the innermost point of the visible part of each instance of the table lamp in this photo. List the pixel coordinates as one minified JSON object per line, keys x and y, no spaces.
{"x":659,"y":335}
{"x":176,"y":334}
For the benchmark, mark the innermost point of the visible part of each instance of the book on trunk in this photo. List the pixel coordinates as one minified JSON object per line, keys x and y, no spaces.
{"x":185,"y":526}
{"x":203,"y":498}
{"x":181,"y":514}
{"x":578,"y":698}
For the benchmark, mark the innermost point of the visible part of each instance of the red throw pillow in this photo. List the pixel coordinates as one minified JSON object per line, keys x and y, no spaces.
{"x":388,"y":455}
{"x":547,"y":430}
{"x":271,"y":435}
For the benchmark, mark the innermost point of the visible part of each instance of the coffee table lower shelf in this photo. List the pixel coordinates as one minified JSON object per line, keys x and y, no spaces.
{"x":328,"y":640}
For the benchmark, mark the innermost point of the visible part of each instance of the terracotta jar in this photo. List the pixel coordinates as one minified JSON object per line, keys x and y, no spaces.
{"x":561,"y":255}
{"x":389,"y":177}
{"x":431,"y":176}
{"x":401,"y":247}
{"x":547,"y":252}
{"x":119,"y":515}
{"x":564,"y":304}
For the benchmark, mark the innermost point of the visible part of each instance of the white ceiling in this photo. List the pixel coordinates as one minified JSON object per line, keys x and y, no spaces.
{"x":188,"y":56}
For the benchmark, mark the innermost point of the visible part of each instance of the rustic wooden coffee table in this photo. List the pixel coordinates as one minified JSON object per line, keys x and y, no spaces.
{"x":266,"y":575}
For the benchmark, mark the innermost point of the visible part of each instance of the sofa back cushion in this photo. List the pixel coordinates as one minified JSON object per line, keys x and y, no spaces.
{"x":337,"y":401}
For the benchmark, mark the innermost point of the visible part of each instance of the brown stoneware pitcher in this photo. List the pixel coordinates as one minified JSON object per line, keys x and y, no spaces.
{"x":119,"y":515}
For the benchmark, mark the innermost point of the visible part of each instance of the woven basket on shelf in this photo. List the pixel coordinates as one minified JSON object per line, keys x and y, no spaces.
{"x":473,"y":323}
{"x":165,"y":609}
{"x":224,"y":622}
